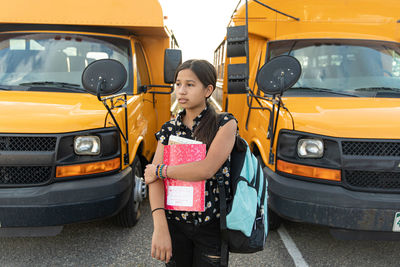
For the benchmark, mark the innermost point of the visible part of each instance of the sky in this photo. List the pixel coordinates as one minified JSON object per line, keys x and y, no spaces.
{"x":199,"y":25}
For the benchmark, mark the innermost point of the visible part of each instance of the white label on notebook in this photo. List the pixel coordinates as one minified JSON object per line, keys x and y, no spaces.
{"x":180,"y":196}
{"x":173,"y":140}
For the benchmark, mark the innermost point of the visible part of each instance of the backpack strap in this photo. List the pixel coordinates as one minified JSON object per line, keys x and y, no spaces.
{"x":264,"y":191}
{"x":222,"y":219}
{"x":223,"y":200}
{"x":262,"y":208}
{"x":257,"y":178}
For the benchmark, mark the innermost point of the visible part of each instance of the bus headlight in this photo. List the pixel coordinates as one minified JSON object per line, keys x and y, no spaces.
{"x":310,"y":148}
{"x":87,"y":145}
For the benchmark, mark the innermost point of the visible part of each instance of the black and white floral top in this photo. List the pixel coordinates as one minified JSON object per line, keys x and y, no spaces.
{"x":211,"y":186}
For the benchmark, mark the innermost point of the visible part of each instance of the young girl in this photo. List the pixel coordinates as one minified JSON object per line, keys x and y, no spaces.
{"x":185,"y":238}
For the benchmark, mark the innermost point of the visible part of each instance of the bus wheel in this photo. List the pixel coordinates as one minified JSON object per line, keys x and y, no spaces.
{"x":130,"y":214}
{"x":274,"y":221}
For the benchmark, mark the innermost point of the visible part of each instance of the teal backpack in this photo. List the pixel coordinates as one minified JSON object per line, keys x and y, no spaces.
{"x":243,"y":215}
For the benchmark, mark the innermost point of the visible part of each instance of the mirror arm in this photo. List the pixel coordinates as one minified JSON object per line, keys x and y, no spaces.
{"x":112,"y":96}
{"x":126,"y":156}
{"x":104,"y":101}
{"x":115,"y":121}
{"x":271,"y":159}
{"x":100,"y":84}
{"x":272,"y":126}
{"x":251,"y":95}
{"x":257,"y":97}
{"x":144,"y":88}
{"x":249,"y":104}
{"x":271,"y":119}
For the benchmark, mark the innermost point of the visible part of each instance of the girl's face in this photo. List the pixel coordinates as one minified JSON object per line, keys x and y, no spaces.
{"x":190,"y":92}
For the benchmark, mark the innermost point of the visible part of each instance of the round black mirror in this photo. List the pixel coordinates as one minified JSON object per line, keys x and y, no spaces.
{"x":107,"y":75}
{"x":278,"y":75}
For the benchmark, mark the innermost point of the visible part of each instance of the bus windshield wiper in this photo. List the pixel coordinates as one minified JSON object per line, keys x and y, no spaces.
{"x":325,"y":90}
{"x":374,"y":89}
{"x":4,"y":87}
{"x":69,"y":86}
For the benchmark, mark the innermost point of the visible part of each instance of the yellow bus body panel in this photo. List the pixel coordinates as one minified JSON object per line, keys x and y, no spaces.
{"x":346,"y":117}
{"x":133,"y":15}
{"x":39,"y":112}
{"x":340,"y":18}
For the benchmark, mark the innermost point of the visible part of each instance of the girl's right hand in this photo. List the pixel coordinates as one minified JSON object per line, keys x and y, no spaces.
{"x":161,"y":245}
{"x":150,"y":173}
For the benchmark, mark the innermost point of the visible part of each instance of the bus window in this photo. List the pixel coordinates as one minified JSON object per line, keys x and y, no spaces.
{"x":143,"y":77}
{"x":27,"y":58}
{"x":219,"y":64}
{"x":342,"y":65}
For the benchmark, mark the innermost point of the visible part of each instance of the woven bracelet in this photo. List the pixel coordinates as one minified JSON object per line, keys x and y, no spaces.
{"x":160,"y":174}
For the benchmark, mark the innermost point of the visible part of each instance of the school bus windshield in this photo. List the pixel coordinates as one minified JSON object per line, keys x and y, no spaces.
{"x":343,"y":67}
{"x":55,"y":61}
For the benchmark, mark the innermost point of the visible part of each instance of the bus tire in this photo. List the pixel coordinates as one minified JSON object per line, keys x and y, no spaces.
{"x":274,"y":221}
{"x":130,"y":213}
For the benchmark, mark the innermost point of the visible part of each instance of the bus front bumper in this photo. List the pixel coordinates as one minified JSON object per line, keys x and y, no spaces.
{"x":331,"y":205}
{"x":65,"y":202}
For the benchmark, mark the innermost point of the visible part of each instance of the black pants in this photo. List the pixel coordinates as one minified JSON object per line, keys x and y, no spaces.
{"x":195,"y":245}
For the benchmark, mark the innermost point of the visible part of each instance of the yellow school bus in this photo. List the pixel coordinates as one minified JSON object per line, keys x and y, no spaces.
{"x":330,"y":141}
{"x":68,"y":154}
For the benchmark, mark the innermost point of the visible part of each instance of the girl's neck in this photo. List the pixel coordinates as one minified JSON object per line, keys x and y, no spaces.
{"x":191,"y":114}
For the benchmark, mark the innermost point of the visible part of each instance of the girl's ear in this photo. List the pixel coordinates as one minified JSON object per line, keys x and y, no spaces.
{"x":209,"y":90}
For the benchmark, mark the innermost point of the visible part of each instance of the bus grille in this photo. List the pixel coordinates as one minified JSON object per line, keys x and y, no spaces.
{"x":372,"y":180}
{"x":20,"y":143}
{"x":24,"y":175}
{"x":371,"y":148}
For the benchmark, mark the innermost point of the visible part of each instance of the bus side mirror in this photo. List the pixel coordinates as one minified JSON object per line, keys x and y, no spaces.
{"x":104,"y":77}
{"x":172,"y":59}
{"x":278,"y":74}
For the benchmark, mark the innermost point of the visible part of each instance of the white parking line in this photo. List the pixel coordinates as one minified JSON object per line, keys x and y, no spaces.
{"x":291,"y":247}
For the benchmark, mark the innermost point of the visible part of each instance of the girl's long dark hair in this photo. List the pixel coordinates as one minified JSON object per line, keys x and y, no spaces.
{"x":208,"y":126}
{"x":206,"y":73}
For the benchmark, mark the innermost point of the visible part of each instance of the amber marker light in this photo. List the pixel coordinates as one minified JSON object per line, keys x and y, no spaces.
{"x":88,"y":168}
{"x":308,"y":171}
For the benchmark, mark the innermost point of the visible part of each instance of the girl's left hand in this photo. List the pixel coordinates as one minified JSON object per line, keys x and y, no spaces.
{"x":150,"y":173}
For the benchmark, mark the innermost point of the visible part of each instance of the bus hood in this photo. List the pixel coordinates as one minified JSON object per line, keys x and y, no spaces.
{"x":45,"y":112}
{"x":346,"y":117}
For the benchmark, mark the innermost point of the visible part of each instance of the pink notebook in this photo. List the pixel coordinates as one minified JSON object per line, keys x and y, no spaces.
{"x":183,"y":195}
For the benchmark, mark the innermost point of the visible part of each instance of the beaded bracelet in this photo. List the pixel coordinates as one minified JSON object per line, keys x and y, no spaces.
{"x":165,"y":173}
{"x":157,"y":167}
{"x":160,"y":171}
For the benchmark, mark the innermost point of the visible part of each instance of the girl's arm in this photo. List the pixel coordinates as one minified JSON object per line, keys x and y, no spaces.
{"x":161,"y":247}
{"x":217,"y":154}
{"x":156,"y":189}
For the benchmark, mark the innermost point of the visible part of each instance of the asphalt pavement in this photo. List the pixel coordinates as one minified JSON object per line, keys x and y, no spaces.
{"x":105,"y":244}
